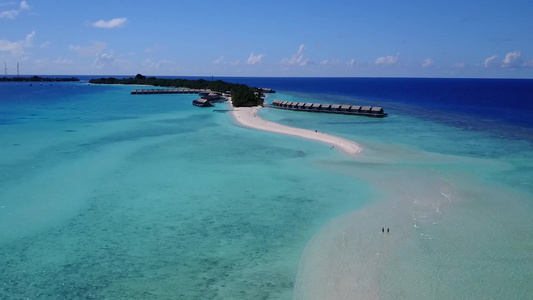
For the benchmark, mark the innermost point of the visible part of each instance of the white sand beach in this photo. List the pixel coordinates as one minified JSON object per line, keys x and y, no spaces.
{"x":247,"y":116}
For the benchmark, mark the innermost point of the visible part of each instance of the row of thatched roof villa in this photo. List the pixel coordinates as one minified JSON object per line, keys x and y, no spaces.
{"x":346,"y":109}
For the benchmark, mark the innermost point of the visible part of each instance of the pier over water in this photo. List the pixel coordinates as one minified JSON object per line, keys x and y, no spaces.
{"x":367,"y":111}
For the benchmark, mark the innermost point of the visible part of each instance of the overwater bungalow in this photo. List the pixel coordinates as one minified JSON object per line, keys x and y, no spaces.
{"x":335,"y":107}
{"x":366,"y":109}
{"x":376,"y":110}
{"x":212,"y":96}
{"x":202,"y":102}
{"x":355,"y":108}
{"x":345,"y":107}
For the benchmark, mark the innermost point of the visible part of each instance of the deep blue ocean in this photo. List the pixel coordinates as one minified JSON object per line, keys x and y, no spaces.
{"x":108,"y":195}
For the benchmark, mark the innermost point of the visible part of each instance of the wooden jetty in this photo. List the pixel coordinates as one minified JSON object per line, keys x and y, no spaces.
{"x":346,"y":109}
{"x":207,"y":97}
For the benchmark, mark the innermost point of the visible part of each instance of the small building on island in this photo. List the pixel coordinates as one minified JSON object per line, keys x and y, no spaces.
{"x":316,"y":106}
{"x":377,"y":110}
{"x":365,"y":109}
{"x":202,"y":102}
{"x":355,"y":108}
{"x":345,"y":107}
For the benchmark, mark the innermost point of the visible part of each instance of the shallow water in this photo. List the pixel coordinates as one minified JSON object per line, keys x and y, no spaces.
{"x":458,"y":203}
{"x":176,"y":202}
{"x":452,"y":236}
{"x":105,"y":195}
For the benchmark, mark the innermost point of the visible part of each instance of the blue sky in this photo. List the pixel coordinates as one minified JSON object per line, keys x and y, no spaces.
{"x":404,"y":38}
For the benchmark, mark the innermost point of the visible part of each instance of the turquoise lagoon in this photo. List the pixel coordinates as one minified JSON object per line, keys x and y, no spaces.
{"x":105,"y":195}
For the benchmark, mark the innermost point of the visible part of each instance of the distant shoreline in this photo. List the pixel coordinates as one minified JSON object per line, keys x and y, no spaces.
{"x":37,"y":79}
{"x":124,"y":84}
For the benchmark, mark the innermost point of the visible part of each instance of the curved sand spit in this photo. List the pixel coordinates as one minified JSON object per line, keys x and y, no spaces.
{"x":247,"y":116}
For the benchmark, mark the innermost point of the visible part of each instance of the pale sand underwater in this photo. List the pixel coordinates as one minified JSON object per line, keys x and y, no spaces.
{"x":439,"y":236}
{"x":351,"y":258}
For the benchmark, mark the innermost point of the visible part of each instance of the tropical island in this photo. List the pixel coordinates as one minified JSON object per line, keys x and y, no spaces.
{"x":36,"y":79}
{"x":241,"y":95}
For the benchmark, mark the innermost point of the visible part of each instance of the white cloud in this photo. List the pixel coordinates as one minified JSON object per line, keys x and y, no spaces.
{"x":29,"y":39}
{"x":297,"y":59}
{"x":460,"y":65}
{"x":150,"y":63}
{"x":387,"y":60}
{"x":489,"y":60}
{"x":331,"y":62}
{"x":113,"y":23}
{"x":428,"y":62}
{"x":338,"y":62}
{"x":156,"y":64}
{"x":45,"y":44}
{"x":512,"y":60}
{"x":218,"y":60}
{"x":62,"y":61}
{"x":154,"y":48}
{"x":104,"y":59}
{"x":13,"y":13}
{"x":255,"y":59}
{"x":17,"y":48}
{"x":221,"y":61}
{"x":91,"y":50}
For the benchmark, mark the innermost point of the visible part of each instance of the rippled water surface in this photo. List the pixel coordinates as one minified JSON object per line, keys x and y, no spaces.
{"x":107,"y":195}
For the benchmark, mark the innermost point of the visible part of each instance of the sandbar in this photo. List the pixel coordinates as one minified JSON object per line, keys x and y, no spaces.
{"x":247,"y":116}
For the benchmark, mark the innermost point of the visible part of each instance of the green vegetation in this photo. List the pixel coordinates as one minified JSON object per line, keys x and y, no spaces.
{"x":36,"y":79}
{"x":241,"y":94}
